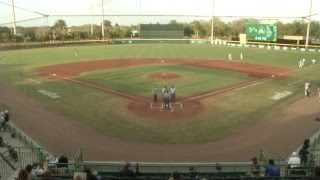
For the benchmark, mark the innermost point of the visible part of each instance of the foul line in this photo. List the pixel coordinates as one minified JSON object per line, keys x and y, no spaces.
{"x":95,"y":86}
{"x":34,"y":81}
{"x":294,"y":82}
{"x":101,"y":88}
{"x":242,"y":86}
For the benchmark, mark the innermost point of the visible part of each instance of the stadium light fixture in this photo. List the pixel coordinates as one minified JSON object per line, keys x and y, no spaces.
{"x":308,"y":28}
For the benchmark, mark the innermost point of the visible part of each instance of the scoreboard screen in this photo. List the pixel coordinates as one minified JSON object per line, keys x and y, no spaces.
{"x":262,"y":32}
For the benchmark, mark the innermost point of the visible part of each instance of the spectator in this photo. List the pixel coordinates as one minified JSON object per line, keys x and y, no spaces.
{"x":32,"y":176}
{"x":175,"y":176}
{"x":192,"y":172}
{"x":293,"y":163}
{"x":39,"y":171}
{"x":272,"y":170}
{"x":51,"y":162}
{"x":126,"y":171}
{"x":23,"y":175}
{"x":304,"y":151}
{"x":78,"y":176}
{"x":218,"y":170}
{"x":47,"y":174}
{"x":255,"y":167}
{"x":316,"y":175}
{"x":90,"y":176}
{"x":63,"y":161}
{"x":6,"y":119}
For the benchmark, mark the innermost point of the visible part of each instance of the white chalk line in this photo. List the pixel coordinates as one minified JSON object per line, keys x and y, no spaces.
{"x":294,"y":82}
{"x":196,"y":97}
{"x":249,"y":84}
{"x":95,"y":86}
{"x":104,"y":89}
{"x":34,"y":81}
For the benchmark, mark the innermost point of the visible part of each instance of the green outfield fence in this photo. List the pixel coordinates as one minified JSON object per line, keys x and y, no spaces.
{"x":273,"y":46}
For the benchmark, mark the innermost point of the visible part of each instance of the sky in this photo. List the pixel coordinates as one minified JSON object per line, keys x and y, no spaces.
{"x":283,"y":10}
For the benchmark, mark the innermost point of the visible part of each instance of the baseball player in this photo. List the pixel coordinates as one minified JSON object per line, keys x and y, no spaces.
{"x":230,"y":57}
{"x":173,"y":93}
{"x":241,"y":56}
{"x":306,"y":86}
{"x":313,"y":61}
{"x":155,"y":94}
{"x":303,"y":60}
{"x":300,"y":64}
{"x":76,"y":53}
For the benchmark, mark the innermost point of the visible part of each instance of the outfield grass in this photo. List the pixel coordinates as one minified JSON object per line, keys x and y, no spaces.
{"x":226,"y":114}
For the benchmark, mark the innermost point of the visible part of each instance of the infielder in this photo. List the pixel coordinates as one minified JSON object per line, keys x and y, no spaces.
{"x":303,"y":62}
{"x":230,"y":57}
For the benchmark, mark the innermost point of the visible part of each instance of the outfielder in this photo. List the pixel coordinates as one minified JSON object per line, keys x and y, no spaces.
{"x":313,"y":61}
{"x":76,"y":53}
{"x":241,"y":56}
{"x":230,"y":57}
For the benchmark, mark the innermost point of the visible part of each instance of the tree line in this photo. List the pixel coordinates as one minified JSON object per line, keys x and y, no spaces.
{"x":221,"y":30}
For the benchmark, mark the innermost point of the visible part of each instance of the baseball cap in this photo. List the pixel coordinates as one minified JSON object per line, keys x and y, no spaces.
{"x":294,"y":154}
{"x":254,"y":159}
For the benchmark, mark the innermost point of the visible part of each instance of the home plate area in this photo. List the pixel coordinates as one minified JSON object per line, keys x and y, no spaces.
{"x":173,"y":106}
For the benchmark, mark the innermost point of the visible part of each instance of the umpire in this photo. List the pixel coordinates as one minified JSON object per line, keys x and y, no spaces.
{"x":166,"y":98}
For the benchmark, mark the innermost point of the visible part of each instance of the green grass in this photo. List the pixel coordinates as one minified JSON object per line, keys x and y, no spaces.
{"x":226,"y":113}
{"x":193,"y":80}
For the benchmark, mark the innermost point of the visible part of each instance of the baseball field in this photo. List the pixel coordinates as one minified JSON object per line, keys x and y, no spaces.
{"x":105,"y":91}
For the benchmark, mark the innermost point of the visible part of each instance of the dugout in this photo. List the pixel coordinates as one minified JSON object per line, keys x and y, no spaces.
{"x":161,"y":31}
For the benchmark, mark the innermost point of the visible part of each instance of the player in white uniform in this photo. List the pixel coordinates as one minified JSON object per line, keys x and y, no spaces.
{"x":300,"y":64}
{"x":241,"y":56}
{"x":230,"y":57}
{"x":306,"y":86}
{"x":313,"y":61}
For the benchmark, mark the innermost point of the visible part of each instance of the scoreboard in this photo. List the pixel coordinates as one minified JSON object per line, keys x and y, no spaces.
{"x":261,"y":32}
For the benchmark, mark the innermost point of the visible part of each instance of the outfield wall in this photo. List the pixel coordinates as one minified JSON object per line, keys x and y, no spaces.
{"x":275,"y":46}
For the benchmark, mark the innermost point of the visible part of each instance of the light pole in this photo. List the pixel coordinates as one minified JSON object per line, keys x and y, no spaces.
{"x":308,"y":29}
{"x":14,"y":20}
{"x":102,"y":20}
{"x":212,"y":22}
